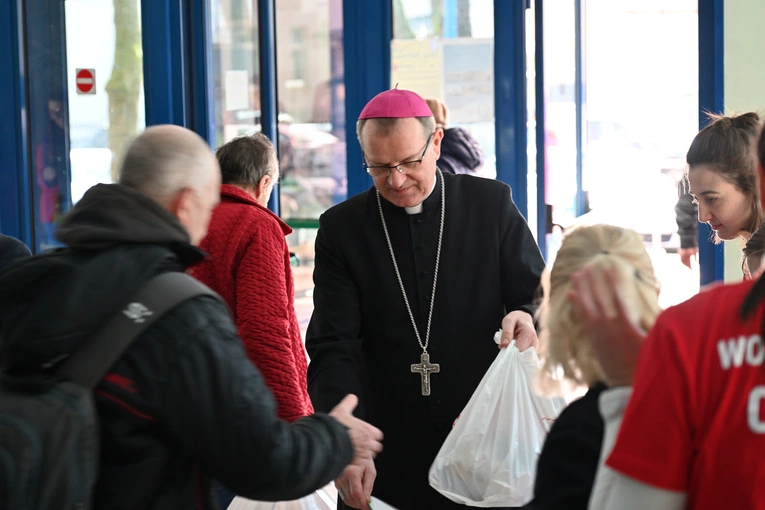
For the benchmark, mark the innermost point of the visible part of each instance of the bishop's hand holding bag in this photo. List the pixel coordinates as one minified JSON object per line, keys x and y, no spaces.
{"x":489,"y":459}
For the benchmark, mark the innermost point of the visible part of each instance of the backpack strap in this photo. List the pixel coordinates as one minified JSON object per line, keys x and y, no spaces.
{"x":88,"y":365}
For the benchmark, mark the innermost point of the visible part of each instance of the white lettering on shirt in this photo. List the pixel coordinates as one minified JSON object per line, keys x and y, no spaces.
{"x":756,"y":396}
{"x":734,"y":351}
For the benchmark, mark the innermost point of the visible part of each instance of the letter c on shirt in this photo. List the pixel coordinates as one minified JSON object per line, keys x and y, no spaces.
{"x":755,"y":398}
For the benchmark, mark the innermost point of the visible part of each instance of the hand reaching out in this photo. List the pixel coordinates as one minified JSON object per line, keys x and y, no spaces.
{"x":599,"y":304}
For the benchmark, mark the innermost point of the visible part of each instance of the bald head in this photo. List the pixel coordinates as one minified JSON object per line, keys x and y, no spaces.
{"x":163,"y":160}
{"x":175,"y":167}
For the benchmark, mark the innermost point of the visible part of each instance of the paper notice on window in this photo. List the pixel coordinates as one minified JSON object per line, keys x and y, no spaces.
{"x":469,"y":79}
{"x":237,"y":90}
{"x":417,"y":65}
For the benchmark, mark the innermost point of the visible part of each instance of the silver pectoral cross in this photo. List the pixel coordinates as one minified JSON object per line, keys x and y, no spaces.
{"x":425,"y":368}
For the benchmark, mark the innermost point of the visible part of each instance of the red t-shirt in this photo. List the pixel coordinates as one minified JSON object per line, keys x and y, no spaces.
{"x":696,"y":419}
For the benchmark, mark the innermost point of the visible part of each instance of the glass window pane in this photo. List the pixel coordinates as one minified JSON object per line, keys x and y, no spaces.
{"x":641,"y":115}
{"x":445,"y":50}
{"x":531,"y":140}
{"x":86,"y":99}
{"x":236,"y":68}
{"x":48,"y":114}
{"x":311,"y":106}
{"x":301,"y":243}
{"x":311,"y":93}
{"x":560,"y":113}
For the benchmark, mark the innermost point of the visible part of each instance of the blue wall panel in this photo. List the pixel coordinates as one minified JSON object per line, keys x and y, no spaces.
{"x":510,"y":98}
{"x":163,"y":29}
{"x":14,"y":155}
{"x":366,"y":41}
{"x":711,"y":97}
{"x":201,"y":90}
{"x":269,"y":109}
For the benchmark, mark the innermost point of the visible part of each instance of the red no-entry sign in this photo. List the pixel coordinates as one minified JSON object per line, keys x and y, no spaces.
{"x":86,"y":81}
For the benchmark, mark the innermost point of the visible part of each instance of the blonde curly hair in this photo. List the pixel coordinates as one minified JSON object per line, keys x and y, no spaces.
{"x":563,"y":341}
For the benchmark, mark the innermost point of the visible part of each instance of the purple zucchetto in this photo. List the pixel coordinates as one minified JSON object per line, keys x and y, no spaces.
{"x":396,"y":104}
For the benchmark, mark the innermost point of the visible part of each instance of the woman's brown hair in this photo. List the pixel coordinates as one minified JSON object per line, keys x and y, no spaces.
{"x":727,"y":146}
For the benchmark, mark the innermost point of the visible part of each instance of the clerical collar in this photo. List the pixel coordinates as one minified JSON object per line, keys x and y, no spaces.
{"x":417,"y":209}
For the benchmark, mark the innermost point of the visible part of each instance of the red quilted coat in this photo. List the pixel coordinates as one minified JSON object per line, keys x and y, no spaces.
{"x":249,"y":266}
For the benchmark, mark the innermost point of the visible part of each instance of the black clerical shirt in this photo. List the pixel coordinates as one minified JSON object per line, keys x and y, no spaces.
{"x":361,"y":340}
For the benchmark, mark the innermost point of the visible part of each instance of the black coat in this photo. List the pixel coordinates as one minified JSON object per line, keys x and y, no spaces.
{"x":361,"y":340}
{"x":687,"y":217}
{"x":184,"y":403}
{"x":11,"y":250}
{"x":460,"y":152}
{"x":569,"y":459}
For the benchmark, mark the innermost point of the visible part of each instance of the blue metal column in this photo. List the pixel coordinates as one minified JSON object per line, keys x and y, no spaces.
{"x":711,"y":97}
{"x":541,"y":138}
{"x":201,"y":91}
{"x":163,"y":34}
{"x":510,"y":98}
{"x":579,"y":98}
{"x":269,"y":106}
{"x":15,"y":191}
{"x":367,"y":32}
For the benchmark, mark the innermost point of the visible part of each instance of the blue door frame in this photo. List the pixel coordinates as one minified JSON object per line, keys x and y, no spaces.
{"x":15,"y":185}
{"x":711,"y":97}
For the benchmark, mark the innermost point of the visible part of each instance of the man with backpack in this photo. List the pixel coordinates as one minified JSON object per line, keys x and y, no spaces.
{"x":182,"y":404}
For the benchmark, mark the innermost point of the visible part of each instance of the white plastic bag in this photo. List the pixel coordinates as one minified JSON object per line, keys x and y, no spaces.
{"x":490,"y":457}
{"x":323,"y":499}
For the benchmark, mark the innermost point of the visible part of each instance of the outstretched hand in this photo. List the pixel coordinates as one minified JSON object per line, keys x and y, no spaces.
{"x":366,"y":438}
{"x":599,"y":304}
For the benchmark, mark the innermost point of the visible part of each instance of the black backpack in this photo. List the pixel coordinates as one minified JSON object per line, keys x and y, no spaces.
{"x":49,"y":432}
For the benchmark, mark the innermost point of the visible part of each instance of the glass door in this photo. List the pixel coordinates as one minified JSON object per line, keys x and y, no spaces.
{"x":86,"y":103}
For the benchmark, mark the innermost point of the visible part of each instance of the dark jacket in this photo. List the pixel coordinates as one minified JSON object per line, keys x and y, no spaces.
{"x":184,"y":404}
{"x":460,"y":152}
{"x":569,"y":459}
{"x":361,"y":340}
{"x":687,"y":217}
{"x":11,"y":250}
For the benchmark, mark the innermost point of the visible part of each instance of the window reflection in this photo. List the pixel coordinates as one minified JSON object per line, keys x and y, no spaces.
{"x":311,"y":108}
{"x":78,"y":134}
{"x":49,"y":126}
{"x":236,"y":68}
{"x":445,"y":50}
{"x":560,"y":114}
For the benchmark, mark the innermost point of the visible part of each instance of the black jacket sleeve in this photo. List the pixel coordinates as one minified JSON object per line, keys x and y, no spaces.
{"x":214,"y":403}
{"x":569,"y":459}
{"x":522,"y":262}
{"x":333,"y":338}
{"x":686,"y":215}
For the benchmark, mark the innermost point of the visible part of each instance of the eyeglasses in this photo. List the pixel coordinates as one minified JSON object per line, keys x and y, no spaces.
{"x":405,"y":167}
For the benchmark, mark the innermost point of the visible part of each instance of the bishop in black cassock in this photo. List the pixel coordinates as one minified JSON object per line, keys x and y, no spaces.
{"x":361,"y":339}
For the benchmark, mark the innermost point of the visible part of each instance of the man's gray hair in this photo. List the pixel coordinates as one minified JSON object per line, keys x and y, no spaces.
{"x":164,"y":160}
{"x":386,"y":125}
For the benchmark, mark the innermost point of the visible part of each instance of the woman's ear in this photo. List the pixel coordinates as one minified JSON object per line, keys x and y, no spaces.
{"x":264,"y":185}
{"x":263,"y":189}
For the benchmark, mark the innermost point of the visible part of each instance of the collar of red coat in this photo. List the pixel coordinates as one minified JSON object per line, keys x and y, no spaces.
{"x":232,"y":193}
